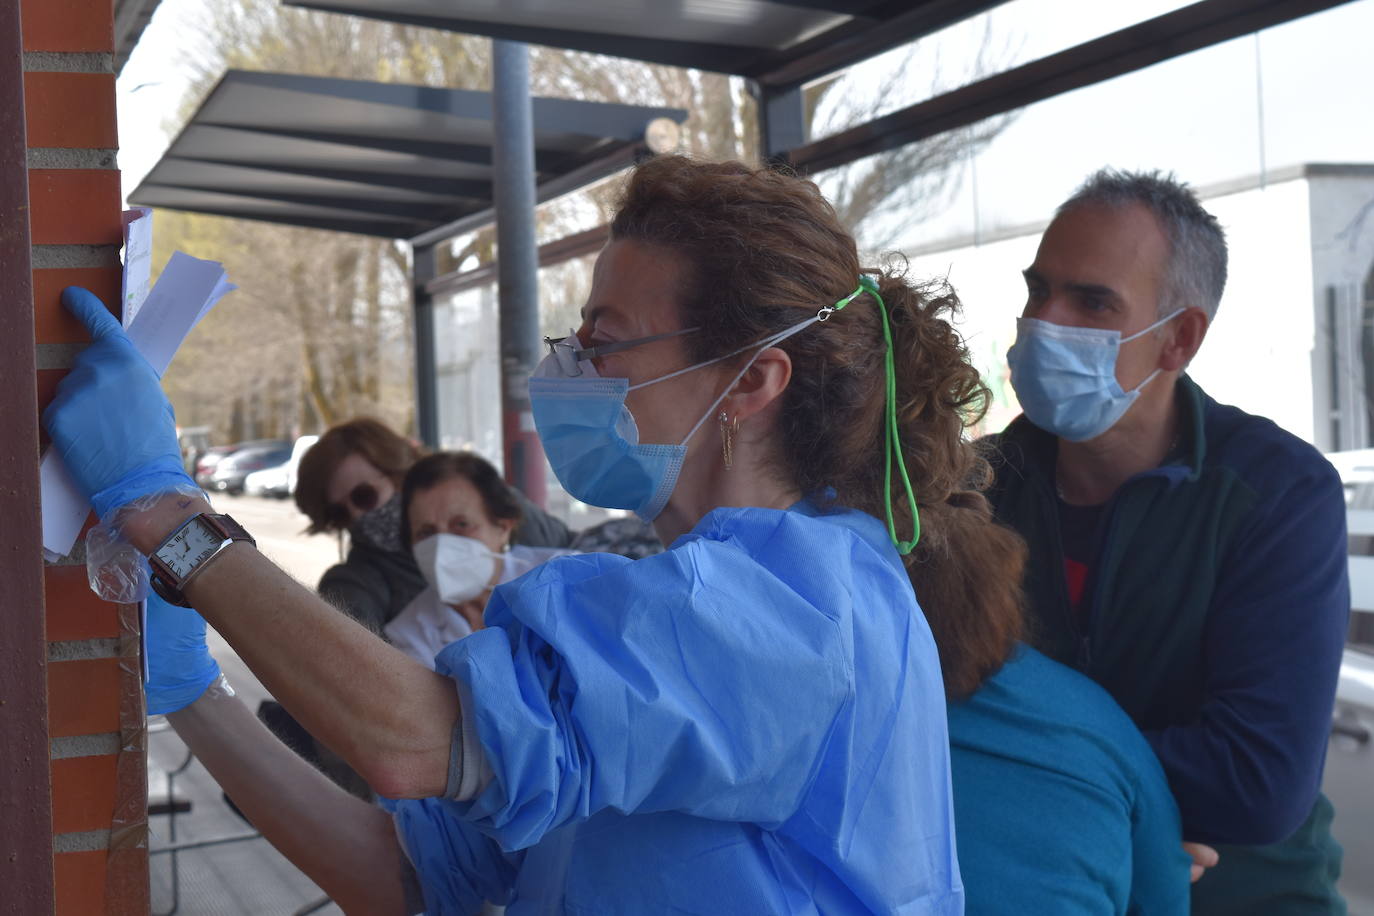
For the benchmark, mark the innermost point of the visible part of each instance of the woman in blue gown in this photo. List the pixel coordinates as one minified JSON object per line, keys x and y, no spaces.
{"x":752,"y":721}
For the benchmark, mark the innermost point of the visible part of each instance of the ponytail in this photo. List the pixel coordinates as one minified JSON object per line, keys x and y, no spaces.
{"x":966,"y":568}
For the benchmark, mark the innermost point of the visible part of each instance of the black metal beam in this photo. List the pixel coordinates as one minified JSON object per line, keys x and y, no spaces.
{"x":897,"y":23}
{"x":553,"y":117}
{"x":441,"y":189}
{"x":577,"y":245}
{"x":516,"y":201}
{"x":426,"y":375}
{"x":1171,"y":35}
{"x":621,"y":157}
{"x":840,"y":7}
{"x":439,"y":150}
{"x":724,"y":58}
{"x":408,"y":211}
{"x":782,"y":121}
{"x":876,"y":27}
{"x":387,"y":229}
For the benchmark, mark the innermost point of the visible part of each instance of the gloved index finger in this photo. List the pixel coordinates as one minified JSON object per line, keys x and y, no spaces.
{"x":93,"y":314}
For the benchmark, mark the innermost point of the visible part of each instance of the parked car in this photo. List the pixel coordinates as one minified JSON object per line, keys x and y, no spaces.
{"x":210,"y":457}
{"x":230,"y":471}
{"x":205,"y":464}
{"x":298,"y":450}
{"x":279,"y":481}
{"x":268,"y":482}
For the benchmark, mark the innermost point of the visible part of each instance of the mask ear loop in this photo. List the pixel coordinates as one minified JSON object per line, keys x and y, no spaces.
{"x":892,"y":433}
{"x":761,"y":345}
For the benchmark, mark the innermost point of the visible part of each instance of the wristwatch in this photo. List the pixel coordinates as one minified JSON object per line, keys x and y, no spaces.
{"x":190,"y":549}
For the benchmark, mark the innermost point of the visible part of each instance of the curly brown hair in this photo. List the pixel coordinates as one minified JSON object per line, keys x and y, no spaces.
{"x":761,"y":248}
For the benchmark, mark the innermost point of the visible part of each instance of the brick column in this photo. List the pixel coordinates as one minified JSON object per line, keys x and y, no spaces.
{"x":25,"y":799}
{"x":95,"y":712}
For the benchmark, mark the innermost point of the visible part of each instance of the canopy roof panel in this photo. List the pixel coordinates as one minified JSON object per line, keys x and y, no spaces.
{"x":782,"y":42}
{"x":377,"y":158}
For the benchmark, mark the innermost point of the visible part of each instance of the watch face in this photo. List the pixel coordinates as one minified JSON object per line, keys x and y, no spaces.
{"x":188,"y":548}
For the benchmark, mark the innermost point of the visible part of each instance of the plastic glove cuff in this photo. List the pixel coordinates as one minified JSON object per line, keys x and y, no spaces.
{"x":147,"y":481}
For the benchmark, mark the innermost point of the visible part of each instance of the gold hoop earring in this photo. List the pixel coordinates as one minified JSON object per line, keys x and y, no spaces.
{"x":728,"y":428}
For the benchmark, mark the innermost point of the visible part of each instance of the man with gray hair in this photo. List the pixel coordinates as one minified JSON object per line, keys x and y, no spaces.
{"x":1188,"y":556}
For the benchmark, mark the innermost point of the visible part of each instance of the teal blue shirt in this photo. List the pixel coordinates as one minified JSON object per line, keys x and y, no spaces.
{"x":1059,"y":803}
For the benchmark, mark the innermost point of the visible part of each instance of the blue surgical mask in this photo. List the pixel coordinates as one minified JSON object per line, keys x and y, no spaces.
{"x":1065,"y":377}
{"x":591,"y":438}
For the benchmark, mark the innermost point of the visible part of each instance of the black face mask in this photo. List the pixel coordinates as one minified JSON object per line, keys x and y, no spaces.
{"x":380,"y":528}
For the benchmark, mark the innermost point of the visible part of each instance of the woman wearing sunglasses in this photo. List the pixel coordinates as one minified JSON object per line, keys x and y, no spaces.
{"x":752,"y":721}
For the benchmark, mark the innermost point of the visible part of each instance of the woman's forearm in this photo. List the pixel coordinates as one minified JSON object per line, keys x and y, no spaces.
{"x":390,"y":717}
{"x":342,"y":843}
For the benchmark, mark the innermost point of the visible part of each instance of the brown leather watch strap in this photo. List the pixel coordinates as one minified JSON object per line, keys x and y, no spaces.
{"x":228,"y":528}
{"x":165,"y":582}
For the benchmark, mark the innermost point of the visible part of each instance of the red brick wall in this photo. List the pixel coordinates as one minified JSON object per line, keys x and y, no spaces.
{"x":94,"y":697}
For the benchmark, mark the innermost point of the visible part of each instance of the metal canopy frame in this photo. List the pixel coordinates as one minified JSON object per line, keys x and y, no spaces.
{"x":779,"y":43}
{"x":1136,"y":47}
{"x":380,"y":159}
{"x":771,"y":49}
{"x":131,"y":17}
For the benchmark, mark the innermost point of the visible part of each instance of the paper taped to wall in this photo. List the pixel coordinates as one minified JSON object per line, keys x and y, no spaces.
{"x":186,"y":290}
{"x":138,"y":260}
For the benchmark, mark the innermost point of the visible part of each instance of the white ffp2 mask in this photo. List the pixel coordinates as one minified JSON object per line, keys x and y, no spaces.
{"x":458,"y":568}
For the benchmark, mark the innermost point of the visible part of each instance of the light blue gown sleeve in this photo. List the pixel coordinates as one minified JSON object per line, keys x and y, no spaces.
{"x":699,"y":681}
{"x":457,"y":867}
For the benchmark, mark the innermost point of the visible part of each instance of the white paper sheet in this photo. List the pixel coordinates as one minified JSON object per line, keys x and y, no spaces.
{"x":186,"y":290}
{"x":138,"y":260}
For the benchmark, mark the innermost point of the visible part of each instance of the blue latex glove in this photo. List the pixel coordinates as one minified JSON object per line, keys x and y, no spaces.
{"x":110,"y":420}
{"x":180,"y":666}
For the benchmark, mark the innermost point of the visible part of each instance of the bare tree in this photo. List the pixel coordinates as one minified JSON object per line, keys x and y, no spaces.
{"x":320,"y":329}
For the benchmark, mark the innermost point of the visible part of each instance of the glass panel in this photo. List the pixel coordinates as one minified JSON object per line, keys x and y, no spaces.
{"x":468,"y":365}
{"x":1000,"y":39}
{"x":1217,"y":118}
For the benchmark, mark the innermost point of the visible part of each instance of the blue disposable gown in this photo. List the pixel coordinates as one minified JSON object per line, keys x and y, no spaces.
{"x":751,"y":722}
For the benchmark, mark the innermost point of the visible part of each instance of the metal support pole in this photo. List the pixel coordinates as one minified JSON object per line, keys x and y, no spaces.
{"x":517,"y":261}
{"x":426,"y":379}
{"x":782,"y":122}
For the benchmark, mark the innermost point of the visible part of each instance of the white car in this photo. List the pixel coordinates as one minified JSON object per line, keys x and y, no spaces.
{"x":267,"y":482}
{"x":279,"y":481}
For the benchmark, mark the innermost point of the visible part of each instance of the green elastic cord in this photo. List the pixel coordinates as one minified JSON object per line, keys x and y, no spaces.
{"x":893,"y":445}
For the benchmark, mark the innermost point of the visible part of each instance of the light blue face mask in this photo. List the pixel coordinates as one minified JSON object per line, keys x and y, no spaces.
{"x":591,"y":438}
{"x":1065,"y":377}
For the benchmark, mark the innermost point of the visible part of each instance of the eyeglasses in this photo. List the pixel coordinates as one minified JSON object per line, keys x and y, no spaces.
{"x":569,"y":352}
{"x":363,"y":497}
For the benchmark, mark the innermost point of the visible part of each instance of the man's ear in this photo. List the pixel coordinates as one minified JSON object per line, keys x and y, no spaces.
{"x":761,"y":386}
{"x":1188,"y":331}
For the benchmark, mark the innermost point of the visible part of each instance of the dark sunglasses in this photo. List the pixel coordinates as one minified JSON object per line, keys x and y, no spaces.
{"x":363,"y":497}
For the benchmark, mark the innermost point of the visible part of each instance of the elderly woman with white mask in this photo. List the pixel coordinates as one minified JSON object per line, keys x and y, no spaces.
{"x":457,"y":518}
